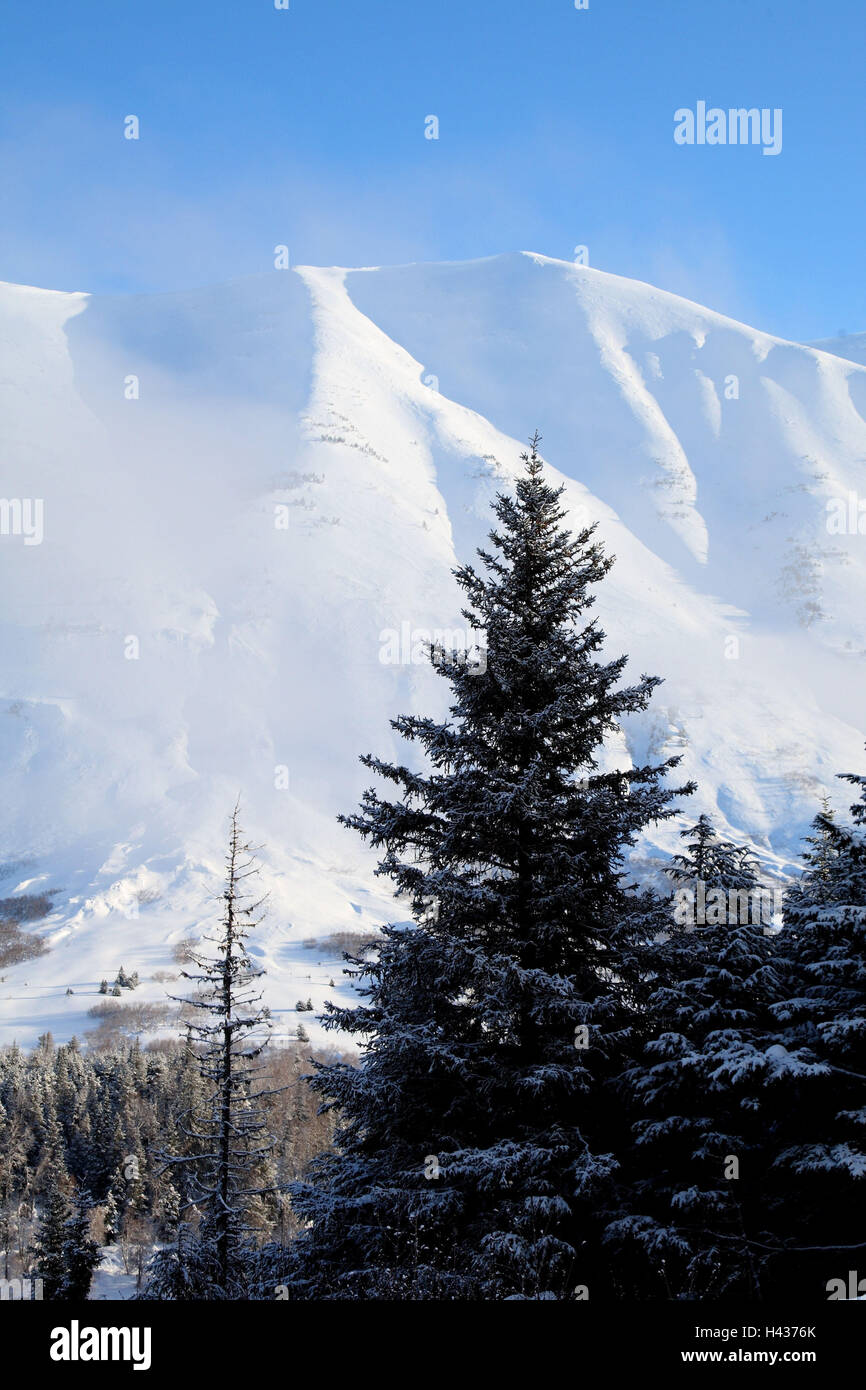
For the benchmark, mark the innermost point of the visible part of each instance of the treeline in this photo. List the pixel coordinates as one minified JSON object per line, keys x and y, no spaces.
{"x":90,"y":1127}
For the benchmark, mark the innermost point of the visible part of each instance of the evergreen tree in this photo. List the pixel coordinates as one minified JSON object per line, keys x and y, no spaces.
{"x":821,"y":1059}
{"x":227,"y":1130}
{"x":106,"y":1153}
{"x":475,"y":1139}
{"x":169,"y":1211}
{"x":712,"y":866}
{"x":115,"y":1206}
{"x":111,"y":1219}
{"x":80,"y":1252}
{"x":696,"y":865}
{"x":823,"y":874}
{"x":51,"y":1235}
{"x":184,"y":1270}
{"x":700,"y":1193}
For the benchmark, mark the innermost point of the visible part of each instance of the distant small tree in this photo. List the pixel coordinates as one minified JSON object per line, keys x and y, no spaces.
{"x":115,"y":1205}
{"x":111,"y":1219}
{"x":168,"y":1212}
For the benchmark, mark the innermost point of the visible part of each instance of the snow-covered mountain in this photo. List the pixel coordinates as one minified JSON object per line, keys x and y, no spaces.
{"x":851,"y":346}
{"x":245,"y":490}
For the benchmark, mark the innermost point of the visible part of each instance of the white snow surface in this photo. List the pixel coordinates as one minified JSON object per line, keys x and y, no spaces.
{"x":384,"y":408}
{"x":111,"y":1282}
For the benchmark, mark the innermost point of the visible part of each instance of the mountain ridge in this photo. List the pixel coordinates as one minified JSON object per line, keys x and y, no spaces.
{"x":380,"y":409}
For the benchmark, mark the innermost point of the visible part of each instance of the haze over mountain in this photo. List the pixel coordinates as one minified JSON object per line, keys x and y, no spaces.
{"x":171,"y":642}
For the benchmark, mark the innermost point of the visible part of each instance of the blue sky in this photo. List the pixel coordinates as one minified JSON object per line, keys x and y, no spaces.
{"x":306,"y":127}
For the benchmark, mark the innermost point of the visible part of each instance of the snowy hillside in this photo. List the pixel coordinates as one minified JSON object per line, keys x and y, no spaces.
{"x":851,"y":346}
{"x":246,"y":488}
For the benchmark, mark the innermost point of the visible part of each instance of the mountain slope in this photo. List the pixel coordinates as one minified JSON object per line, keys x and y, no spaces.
{"x":249,"y":490}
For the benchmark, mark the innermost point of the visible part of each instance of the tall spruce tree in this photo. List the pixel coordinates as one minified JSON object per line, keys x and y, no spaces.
{"x":226,"y":1131}
{"x":477,"y":1136}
